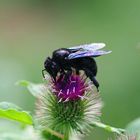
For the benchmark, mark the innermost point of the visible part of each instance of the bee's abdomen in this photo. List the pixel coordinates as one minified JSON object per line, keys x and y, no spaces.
{"x":85,"y":63}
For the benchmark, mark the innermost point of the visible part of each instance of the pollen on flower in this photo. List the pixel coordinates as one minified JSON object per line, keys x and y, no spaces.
{"x":74,"y":89}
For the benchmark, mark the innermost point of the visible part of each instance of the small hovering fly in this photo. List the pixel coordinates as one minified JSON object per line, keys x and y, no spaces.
{"x":79,"y":57}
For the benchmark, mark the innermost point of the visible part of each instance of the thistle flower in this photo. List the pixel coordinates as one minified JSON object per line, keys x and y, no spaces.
{"x":70,"y":108}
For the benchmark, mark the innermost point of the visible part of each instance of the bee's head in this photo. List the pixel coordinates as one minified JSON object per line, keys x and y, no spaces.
{"x":51,"y":67}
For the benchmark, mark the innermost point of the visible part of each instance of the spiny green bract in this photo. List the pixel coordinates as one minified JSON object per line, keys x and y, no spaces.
{"x":65,"y":117}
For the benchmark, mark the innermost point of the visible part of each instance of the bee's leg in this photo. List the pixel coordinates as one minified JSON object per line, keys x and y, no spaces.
{"x":67,"y":75}
{"x":95,"y":82}
{"x":91,"y":75}
{"x":62,"y":74}
{"x":77,"y":72}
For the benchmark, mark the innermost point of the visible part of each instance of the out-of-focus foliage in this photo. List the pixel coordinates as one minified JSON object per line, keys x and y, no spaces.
{"x":133,"y":127}
{"x":27,"y":134}
{"x":35,"y":89}
{"x":13,"y":112}
{"x":31,"y":29}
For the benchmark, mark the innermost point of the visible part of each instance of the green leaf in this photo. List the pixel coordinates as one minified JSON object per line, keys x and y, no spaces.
{"x":35,"y":89}
{"x":13,"y":112}
{"x":134,"y":127}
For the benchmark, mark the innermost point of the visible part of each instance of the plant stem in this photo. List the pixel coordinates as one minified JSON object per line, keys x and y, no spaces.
{"x":66,"y":136}
{"x":108,"y":128}
{"x":54,"y":133}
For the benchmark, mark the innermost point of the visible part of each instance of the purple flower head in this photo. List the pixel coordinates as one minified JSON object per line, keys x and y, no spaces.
{"x":74,"y":89}
{"x":70,"y":107}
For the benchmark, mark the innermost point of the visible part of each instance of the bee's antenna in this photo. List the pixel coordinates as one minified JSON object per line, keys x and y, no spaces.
{"x":43,"y":73}
{"x":49,"y":58}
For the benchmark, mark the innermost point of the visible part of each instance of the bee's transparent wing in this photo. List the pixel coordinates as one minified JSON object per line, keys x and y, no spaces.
{"x":90,"y":47}
{"x":87,"y":53}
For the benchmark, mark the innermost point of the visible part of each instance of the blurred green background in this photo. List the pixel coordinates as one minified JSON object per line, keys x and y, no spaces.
{"x":31,"y":29}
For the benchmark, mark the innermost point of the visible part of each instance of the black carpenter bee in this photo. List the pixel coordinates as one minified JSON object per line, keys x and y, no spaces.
{"x":79,"y":57}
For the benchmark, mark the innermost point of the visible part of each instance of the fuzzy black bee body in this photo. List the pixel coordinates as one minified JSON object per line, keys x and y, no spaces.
{"x":79,"y":58}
